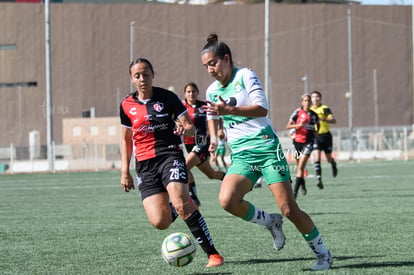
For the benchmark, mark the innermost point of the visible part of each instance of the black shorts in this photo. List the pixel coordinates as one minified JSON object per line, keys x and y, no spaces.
{"x":201,"y":151}
{"x":323,"y":143}
{"x":153,"y":175}
{"x":302,"y":148}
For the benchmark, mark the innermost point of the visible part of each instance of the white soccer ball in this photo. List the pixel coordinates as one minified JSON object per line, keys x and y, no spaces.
{"x":178,"y":249}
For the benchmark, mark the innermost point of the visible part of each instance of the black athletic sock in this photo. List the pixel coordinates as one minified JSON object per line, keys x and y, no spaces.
{"x":298,"y":183}
{"x":318,"y":169}
{"x":199,"y":229}
{"x":334,"y":169}
{"x":174,"y":213}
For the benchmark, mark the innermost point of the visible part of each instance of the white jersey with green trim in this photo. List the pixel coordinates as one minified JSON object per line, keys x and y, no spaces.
{"x":244,"y":133}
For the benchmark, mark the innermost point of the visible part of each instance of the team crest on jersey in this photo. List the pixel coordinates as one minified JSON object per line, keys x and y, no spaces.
{"x":201,"y":110}
{"x":158,"y":106}
{"x":237,"y":87}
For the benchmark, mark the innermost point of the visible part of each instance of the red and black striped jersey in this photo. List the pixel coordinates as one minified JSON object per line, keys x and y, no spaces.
{"x":305,"y":133}
{"x":199,"y":118}
{"x":152,"y":122}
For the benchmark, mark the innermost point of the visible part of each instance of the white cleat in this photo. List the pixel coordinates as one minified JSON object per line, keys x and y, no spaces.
{"x":323,"y":262}
{"x":275,"y":228}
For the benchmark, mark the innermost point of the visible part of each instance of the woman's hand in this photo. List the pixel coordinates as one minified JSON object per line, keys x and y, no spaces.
{"x":127,"y":182}
{"x":218,"y":109}
{"x":179,"y":128}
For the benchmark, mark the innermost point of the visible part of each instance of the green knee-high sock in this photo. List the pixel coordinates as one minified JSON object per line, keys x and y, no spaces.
{"x":315,"y":242}
{"x":256,"y":215}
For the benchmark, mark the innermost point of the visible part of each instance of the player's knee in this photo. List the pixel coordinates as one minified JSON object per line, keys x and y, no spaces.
{"x":161,"y":224}
{"x":226,"y":202}
{"x":286,"y":211}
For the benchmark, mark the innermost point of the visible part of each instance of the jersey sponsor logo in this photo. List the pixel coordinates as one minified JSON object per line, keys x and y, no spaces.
{"x":158,"y":106}
{"x":234,"y":123}
{"x":256,"y":81}
{"x":162,"y":115}
{"x":133,"y":111}
{"x":178,"y":163}
{"x":147,"y":129}
{"x":231,"y":101}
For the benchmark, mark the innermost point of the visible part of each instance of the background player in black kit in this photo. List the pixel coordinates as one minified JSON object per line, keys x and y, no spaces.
{"x":197,"y":145}
{"x":153,"y":120}
{"x":324,"y":140}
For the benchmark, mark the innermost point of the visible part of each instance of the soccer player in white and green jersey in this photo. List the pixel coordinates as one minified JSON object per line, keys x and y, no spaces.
{"x":238,"y":98}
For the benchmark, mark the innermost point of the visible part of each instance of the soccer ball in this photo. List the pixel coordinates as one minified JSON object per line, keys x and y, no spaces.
{"x":178,"y":249}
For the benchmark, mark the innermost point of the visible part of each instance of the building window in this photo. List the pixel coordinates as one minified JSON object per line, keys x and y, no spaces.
{"x":76,"y":131}
{"x":112,"y":130}
{"x":94,"y":131}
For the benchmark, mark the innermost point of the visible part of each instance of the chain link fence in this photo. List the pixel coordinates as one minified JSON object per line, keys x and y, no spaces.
{"x":369,"y":143}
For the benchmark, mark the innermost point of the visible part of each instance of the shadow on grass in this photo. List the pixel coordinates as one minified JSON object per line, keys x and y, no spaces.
{"x":335,"y":264}
{"x":262,"y":261}
{"x":376,"y":265}
{"x":328,"y":213}
{"x":369,"y":264}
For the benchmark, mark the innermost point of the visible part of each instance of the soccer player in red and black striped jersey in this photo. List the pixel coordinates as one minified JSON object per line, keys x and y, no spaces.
{"x":306,"y":124}
{"x":152,"y":120}
{"x":197,"y":145}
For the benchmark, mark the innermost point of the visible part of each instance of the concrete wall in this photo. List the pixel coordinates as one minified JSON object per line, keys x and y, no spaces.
{"x":91,"y":54}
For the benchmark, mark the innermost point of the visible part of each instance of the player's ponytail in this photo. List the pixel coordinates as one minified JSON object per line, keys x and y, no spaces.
{"x":218,"y":48}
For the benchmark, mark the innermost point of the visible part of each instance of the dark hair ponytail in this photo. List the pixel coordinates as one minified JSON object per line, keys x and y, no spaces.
{"x":212,"y":38}
{"x":218,"y":48}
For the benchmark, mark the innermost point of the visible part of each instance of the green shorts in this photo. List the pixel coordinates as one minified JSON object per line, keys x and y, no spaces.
{"x":272,"y":166}
{"x":221,"y":151}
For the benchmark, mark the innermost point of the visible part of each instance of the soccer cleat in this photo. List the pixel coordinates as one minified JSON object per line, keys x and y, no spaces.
{"x":304,"y":191}
{"x":275,"y":228}
{"x":323,"y":262}
{"x":215,"y":260}
{"x":334,"y":170}
{"x":320,"y":184}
